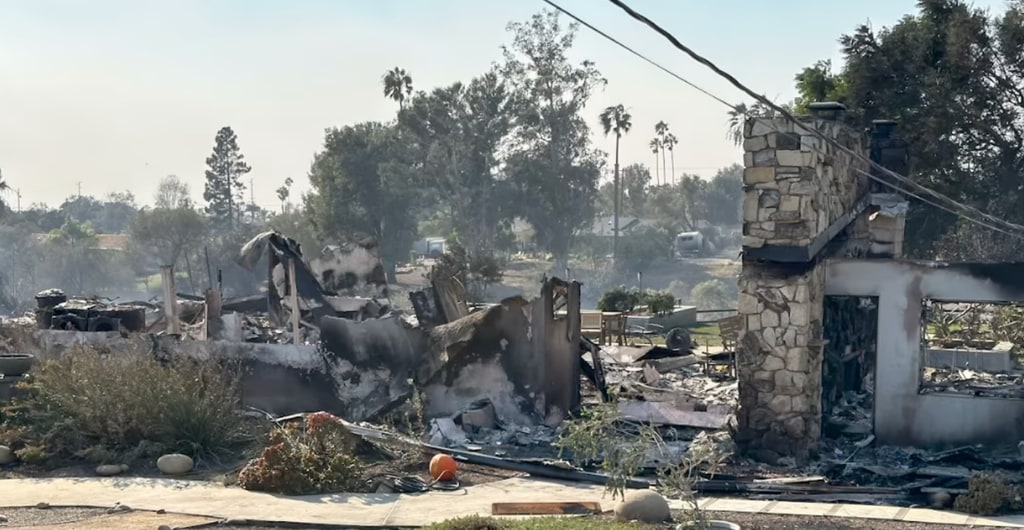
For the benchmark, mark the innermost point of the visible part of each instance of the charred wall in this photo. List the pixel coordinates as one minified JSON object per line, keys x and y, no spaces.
{"x":904,"y":416}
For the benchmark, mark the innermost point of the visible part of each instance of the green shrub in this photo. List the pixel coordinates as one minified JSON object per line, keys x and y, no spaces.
{"x":658,"y":302}
{"x":315,"y":457}
{"x":713,"y":294}
{"x":121,"y":405}
{"x":619,"y":299}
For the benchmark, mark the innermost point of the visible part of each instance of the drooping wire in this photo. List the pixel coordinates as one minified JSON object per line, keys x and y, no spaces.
{"x":962,"y":210}
{"x":638,"y":54}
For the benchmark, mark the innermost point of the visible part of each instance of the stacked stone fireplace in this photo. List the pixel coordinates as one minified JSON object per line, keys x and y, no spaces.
{"x":803,"y":200}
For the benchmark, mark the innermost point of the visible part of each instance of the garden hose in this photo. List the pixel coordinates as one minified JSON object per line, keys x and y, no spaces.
{"x":414,"y":484}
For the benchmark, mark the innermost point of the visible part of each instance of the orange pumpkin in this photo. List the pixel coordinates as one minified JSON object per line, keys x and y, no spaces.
{"x":443,"y":467}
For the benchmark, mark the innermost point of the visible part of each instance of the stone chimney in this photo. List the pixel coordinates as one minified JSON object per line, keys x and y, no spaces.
{"x":888,"y":217}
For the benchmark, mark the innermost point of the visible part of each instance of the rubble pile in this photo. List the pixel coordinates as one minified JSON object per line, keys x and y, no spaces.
{"x":973,"y":383}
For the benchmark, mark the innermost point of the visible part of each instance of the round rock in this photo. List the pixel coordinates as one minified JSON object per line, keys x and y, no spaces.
{"x":6,"y":455}
{"x":645,"y":506}
{"x":109,"y":470}
{"x":174,"y":464}
{"x":940,"y":500}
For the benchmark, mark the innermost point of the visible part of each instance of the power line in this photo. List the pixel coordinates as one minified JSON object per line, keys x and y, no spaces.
{"x":638,"y":54}
{"x":939,"y":206}
{"x":785,"y":114}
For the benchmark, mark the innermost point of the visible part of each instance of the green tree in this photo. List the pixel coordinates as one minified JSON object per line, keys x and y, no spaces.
{"x":551,"y":161}
{"x":713,"y":294}
{"x":636,"y":181}
{"x":655,"y":145}
{"x":740,"y":113}
{"x":616,"y":120}
{"x":953,"y":77}
{"x":362,"y":184}
{"x":677,"y":208}
{"x":671,"y":142}
{"x":5,"y":188}
{"x":723,"y":197}
{"x":172,"y":193}
{"x":397,"y":86}
{"x":284,"y":192}
{"x":164,"y":234}
{"x":457,"y":132}
{"x":661,"y":134}
{"x":225,"y":168}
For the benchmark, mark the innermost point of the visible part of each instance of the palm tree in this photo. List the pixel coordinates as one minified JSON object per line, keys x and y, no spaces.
{"x":661,"y":131}
{"x":670,"y":143}
{"x":398,"y":85}
{"x":616,"y":119}
{"x":4,"y":188}
{"x":655,"y":146}
{"x":740,"y":113}
{"x":737,"y":120}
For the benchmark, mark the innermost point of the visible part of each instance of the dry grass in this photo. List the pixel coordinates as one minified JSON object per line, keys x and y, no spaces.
{"x":115,"y":406}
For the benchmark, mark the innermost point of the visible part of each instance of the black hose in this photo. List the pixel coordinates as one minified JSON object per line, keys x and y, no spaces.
{"x":415,"y":484}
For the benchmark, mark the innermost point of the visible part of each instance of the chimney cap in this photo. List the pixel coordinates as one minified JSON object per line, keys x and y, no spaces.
{"x":826,"y":105}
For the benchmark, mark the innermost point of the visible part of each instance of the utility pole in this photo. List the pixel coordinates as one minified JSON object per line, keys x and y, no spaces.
{"x":231,"y":214}
{"x":79,"y":189}
{"x":252,"y":202}
{"x":17,"y":193}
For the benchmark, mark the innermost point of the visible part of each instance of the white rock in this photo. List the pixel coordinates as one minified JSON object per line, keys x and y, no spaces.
{"x":6,"y":455}
{"x":645,"y":506}
{"x":174,"y":464}
{"x":109,"y":470}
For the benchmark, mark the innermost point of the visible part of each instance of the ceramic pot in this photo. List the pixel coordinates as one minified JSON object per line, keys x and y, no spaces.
{"x":14,"y":364}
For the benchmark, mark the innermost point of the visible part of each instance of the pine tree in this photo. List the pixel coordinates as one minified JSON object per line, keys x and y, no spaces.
{"x":224,"y":186}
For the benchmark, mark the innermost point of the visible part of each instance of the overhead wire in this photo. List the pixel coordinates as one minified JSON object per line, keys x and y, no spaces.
{"x":958,"y":208}
{"x":638,"y":54}
{"x":936,"y":205}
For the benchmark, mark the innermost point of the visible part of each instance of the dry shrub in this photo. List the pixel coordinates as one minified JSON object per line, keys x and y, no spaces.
{"x":623,"y":449}
{"x":988,"y":494}
{"x":303,"y":459}
{"x":108,"y":406}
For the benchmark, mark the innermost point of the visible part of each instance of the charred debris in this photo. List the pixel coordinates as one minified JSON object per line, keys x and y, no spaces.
{"x":495,"y":384}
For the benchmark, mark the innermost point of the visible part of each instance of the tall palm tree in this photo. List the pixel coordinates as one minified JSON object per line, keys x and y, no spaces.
{"x":655,"y":146}
{"x":661,"y":131}
{"x":398,"y":85}
{"x":616,"y":119}
{"x":670,"y":143}
{"x":4,"y":188}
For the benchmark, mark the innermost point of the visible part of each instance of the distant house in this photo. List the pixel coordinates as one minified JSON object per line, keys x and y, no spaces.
{"x":605,"y":226}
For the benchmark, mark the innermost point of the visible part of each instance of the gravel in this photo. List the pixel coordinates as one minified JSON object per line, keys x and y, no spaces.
{"x":48,"y":516}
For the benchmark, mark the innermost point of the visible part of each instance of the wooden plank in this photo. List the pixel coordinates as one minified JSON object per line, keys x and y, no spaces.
{"x":545,"y":508}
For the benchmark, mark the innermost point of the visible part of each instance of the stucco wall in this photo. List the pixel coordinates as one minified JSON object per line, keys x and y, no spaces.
{"x":902,"y":415}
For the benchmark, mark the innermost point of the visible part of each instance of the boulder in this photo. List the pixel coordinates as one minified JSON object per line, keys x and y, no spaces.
{"x":174,"y":464}
{"x":109,"y":470}
{"x":645,"y":506}
{"x":6,"y":455}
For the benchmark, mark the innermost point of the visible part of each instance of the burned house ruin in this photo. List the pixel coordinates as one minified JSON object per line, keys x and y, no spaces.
{"x":822,"y":244}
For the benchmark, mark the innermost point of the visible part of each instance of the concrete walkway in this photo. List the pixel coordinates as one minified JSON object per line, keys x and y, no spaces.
{"x":375,"y":510}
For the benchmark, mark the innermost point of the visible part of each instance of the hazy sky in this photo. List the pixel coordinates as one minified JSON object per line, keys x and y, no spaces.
{"x":116,"y":94}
